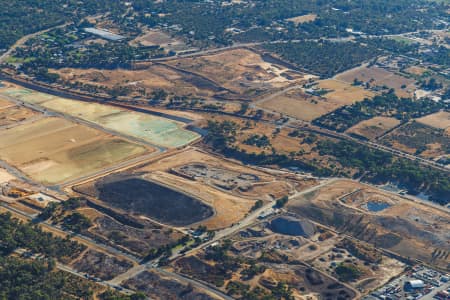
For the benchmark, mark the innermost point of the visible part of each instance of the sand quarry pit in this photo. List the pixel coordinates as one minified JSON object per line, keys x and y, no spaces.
{"x":138,"y":196}
{"x":53,"y":150}
{"x":156,"y":130}
{"x":373,"y":128}
{"x":388,"y":221}
{"x":301,"y":105}
{"x":228,"y":206}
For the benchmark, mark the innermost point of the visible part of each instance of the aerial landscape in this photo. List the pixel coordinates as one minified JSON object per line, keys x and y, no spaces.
{"x":232,"y":149}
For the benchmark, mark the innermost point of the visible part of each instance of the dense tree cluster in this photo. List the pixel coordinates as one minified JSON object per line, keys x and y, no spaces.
{"x":323,"y":57}
{"x":37,"y":280}
{"x":15,"y":234}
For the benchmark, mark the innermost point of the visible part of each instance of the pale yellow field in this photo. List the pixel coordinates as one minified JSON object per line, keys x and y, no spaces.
{"x":438,"y":120}
{"x":5,"y":103}
{"x":303,"y":19}
{"x":300,"y":105}
{"x":374,"y":127}
{"x":380,"y":77}
{"x":5,"y":176}
{"x":53,"y":150}
{"x":343,"y":93}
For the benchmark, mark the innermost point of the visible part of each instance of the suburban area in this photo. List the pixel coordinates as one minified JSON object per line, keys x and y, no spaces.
{"x":237,"y":149}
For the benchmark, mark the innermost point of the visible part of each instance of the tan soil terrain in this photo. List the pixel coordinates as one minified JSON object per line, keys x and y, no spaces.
{"x":302,"y":19}
{"x":297,"y":104}
{"x":376,"y":76}
{"x":439,"y":120}
{"x":417,"y":138}
{"x":374,"y":128}
{"x":53,"y":150}
{"x":342,"y":93}
{"x":148,"y":78}
{"x":241,"y":71}
{"x":5,"y":176}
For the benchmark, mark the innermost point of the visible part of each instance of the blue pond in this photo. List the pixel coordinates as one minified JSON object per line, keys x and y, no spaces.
{"x":377,"y":206}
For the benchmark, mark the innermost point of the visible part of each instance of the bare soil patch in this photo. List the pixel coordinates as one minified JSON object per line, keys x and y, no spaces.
{"x":376,"y":76}
{"x":53,"y":150}
{"x":373,"y":128}
{"x":417,"y":138}
{"x":302,"y":19}
{"x":158,"y":286}
{"x":439,"y":120}
{"x":241,"y":71}
{"x":342,"y":93}
{"x":300,"y":105}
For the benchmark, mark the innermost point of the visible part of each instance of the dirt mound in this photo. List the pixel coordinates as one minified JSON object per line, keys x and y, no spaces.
{"x":293,"y":226}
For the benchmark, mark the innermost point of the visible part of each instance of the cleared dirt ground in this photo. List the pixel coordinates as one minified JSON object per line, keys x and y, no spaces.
{"x":230,"y":206}
{"x":5,"y":176}
{"x":302,"y":19}
{"x":148,"y":77}
{"x":379,"y":77}
{"x":300,"y":105}
{"x":438,"y":120}
{"x":53,"y":150}
{"x":372,"y":275}
{"x":5,"y":103}
{"x":342,"y":93}
{"x":100,"y":265}
{"x":373,"y":128}
{"x":241,"y":71}
{"x":14,"y":114}
{"x":159,"y":38}
{"x":388,"y":221}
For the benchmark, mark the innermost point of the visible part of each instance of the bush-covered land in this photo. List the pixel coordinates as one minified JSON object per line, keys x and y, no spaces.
{"x":15,"y":234}
{"x":386,"y":104}
{"x":381,"y":167}
{"x":38,"y":280}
